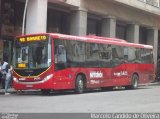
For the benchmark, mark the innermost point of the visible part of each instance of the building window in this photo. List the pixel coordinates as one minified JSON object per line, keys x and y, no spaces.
{"x":7,"y":15}
{"x":19,"y":9}
{"x":121,"y":29}
{"x":94,"y":25}
{"x":58,"y":21}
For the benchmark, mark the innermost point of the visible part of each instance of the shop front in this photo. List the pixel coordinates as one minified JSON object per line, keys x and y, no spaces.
{"x":11,"y":12}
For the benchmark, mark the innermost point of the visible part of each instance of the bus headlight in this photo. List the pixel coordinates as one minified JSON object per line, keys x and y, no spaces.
{"x":48,"y":77}
{"x":15,"y":79}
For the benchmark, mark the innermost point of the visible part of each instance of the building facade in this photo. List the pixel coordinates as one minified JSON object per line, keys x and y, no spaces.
{"x":137,"y":21}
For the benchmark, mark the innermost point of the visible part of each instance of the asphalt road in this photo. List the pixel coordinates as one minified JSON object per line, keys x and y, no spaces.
{"x":143,"y":100}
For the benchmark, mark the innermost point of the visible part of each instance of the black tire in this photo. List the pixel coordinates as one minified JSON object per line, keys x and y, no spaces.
{"x":134,"y":83}
{"x":79,"y":84}
{"x":45,"y":91}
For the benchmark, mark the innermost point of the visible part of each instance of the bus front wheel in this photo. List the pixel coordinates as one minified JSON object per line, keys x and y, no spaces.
{"x":79,"y":84}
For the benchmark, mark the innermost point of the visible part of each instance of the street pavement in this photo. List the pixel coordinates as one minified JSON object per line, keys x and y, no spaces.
{"x":139,"y":104}
{"x":144,"y":99}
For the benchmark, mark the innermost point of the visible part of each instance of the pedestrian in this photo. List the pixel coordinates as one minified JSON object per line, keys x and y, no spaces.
{"x":8,"y":78}
{"x":1,"y":77}
{"x":3,"y":65}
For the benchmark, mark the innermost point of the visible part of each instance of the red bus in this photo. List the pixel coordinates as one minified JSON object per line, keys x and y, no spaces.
{"x":52,"y":61}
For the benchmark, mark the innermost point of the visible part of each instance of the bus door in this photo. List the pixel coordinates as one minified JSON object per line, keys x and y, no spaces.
{"x":133,"y":61}
{"x":147,"y":65}
{"x":63,"y":74}
{"x":23,"y":58}
{"x":60,"y":57}
{"x":105,"y":57}
{"x":119,"y":65}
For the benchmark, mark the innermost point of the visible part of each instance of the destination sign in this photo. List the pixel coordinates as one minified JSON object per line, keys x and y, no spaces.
{"x":22,"y":65}
{"x":33,"y":38}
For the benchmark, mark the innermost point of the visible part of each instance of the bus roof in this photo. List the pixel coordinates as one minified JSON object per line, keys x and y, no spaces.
{"x":98,"y":39}
{"x":95,"y":39}
{"x":105,"y":38}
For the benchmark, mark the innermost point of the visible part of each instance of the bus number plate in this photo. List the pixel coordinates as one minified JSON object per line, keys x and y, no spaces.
{"x":29,"y":86}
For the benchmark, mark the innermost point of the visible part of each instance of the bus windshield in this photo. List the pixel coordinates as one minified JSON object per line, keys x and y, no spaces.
{"x":32,"y":54}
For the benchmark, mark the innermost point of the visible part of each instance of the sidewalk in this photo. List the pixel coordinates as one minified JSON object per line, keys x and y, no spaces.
{"x":10,"y":90}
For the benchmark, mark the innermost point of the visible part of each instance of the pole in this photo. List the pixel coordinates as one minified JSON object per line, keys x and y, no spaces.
{"x":24,"y":16}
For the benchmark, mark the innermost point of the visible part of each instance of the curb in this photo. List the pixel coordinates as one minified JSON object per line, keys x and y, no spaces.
{"x":11,"y":90}
{"x":150,"y":84}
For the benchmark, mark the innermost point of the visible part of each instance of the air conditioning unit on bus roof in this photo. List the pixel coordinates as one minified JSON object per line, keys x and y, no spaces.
{"x":106,"y":38}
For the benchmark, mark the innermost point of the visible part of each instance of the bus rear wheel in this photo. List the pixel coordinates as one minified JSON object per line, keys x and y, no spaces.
{"x":45,"y":91}
{"x":79,"y":84}
{"x":134,"y":83}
